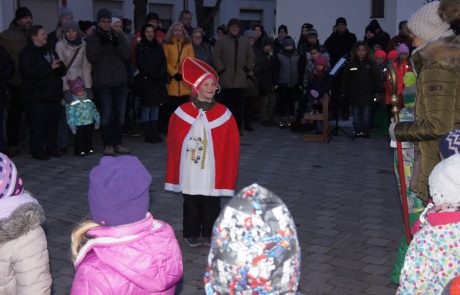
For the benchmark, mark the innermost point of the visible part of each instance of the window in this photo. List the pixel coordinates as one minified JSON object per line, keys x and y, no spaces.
{"x":378,"y":9}
{"x":248,"y":17}
{"x":45,"y":12}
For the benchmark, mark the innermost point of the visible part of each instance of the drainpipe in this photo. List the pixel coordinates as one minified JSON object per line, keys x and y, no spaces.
{"x":185,"y":4}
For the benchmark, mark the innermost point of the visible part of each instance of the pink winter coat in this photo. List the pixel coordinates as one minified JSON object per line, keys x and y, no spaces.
{"x":138,"y":258}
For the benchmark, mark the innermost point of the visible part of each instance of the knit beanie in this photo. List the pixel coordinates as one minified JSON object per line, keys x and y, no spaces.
{"x":266,"y":41}
{"x":426,"y":24}
{"x":22,"y":12}
{"x":402,"y":48}
{"x":116,"y":20}
{"x":380,"y":53}
{"x":450,"y":144}
{"x":233,"y":22}
{"x":341,"y":20}
{"x":76,"y":85}
{"x":307,"y":26}
{"x":63,"y":12}
{"x":10,"y":183}
{"x":104,"y":13}
{"x":70,"y":25}
{"x":321,"y":60}
{"x":119,"y":191}
{"x":282,"y":28}
{"x":312,"y":32}
{"x":288,"y":41}
{"x":444,"y":181}
{"x":151,"y":16}
{"x":84,"y":25}
{"x":254,"y":247}
{"x":393,"y":54}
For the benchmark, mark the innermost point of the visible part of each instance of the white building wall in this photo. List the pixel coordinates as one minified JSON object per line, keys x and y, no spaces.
{"x":405,"y":8}
{"x":7,"y":9}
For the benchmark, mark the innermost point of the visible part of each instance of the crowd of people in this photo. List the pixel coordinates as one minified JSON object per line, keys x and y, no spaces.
{"x":203,"y":93}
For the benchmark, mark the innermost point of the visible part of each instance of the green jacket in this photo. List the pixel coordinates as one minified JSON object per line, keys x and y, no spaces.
{"x":14,"y":39}
{"x":437,"y":107}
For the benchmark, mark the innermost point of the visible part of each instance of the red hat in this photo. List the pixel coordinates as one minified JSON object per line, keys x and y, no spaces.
{"x":321,"y":60}
{"x":393,"y":54}
{"x":195,"y":72}
{"x":380,"y":53}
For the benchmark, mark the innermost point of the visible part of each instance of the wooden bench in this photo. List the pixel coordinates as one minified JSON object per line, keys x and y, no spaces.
{"x":324,"y":117}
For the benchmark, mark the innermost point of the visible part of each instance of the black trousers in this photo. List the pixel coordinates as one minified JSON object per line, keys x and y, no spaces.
{"x":233,"y":98}
{"x":14,"y":115}
{"x":84,"y":139}
{"x":167,"y":109}
{"x":287,"y":99}
{"x":199,"y":214}
{"x":248,"y":111}
{"x":43,"y":119}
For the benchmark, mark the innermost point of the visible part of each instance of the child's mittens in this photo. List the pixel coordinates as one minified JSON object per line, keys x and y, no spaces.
{"x":97,"y":125}
{"x":314,"y":93}
{"x":73,"y":129}
{"x":68,"y":97}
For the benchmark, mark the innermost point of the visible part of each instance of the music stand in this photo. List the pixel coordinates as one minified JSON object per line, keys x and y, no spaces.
{"x":335,"y":131}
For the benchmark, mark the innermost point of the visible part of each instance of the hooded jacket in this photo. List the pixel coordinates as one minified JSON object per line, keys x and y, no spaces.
{"x":175,"y":54}
{"x":139,"y":258}
{"x":437,"y":107}
{"x":6,"y":72}
{"x":24,"y":260}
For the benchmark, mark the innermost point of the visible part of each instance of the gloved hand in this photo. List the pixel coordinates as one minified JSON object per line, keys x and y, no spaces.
{"x":314,"y":93}
{"x":89,"y":93}
{"x":73,"y":129}
{"x":68,"y":98}
{"x":115,"y":41}
{"x":97,"y":125}
{"x":391,"y":130}
{"x":276,"y":88}
{"x":177,"y":77}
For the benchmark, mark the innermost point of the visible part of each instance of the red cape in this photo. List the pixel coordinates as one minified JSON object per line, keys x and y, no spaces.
{"x":223,"y":148}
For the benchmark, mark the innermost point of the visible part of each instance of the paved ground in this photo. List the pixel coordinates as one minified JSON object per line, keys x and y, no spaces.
{"x":342,"y":196}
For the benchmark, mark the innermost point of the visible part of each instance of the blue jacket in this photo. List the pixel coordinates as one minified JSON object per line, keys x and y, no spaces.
{"x":82,"y":111}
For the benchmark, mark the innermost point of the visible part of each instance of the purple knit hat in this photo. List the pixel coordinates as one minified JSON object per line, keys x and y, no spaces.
{"x":76,"y":85}
{"x":402,"y":48}
{"x":119,"y":191}
{"x":10,"y":183}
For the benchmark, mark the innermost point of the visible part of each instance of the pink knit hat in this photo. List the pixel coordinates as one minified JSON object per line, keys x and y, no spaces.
{"x":76,"y":85}
{"x":10,"y":183}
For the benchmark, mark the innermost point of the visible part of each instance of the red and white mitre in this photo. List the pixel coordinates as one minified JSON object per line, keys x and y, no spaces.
{"x":195,"y":72}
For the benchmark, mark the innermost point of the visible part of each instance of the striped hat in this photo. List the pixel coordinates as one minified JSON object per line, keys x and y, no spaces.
{"x":10,"y":183}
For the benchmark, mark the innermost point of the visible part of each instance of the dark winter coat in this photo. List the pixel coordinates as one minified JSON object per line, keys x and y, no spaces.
{"x":14,"y":39}
{"x":39,"y":81}
{"x":339,"y":45}
{"x":6,"y":72}
{"x":267,"y":77}
{"x":203,"y":52}
{"x":360,"y":82}
{"x":320,"y":83}
{"x":108,"y":55}
{"x":437,"y":108}
{"x":151,"y":80}
{"x":233,"y":59}
{"x":382,"y":38}
{"x":291,"y":68}
{"x":253,"y":89}
{"x":277,"y":46}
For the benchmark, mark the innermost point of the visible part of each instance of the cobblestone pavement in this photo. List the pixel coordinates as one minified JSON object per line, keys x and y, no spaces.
{"x":342,"y":196}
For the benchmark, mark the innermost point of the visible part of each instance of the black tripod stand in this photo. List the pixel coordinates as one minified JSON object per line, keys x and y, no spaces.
{"x":335,"y":131}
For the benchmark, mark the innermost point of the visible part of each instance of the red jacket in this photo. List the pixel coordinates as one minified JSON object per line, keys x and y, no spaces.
{"x":401,"y":70}
{"x":223,"y":149}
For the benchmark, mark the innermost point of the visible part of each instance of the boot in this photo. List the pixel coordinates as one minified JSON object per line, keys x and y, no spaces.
{"x":155,"y":134}
{"x":147,"y":126}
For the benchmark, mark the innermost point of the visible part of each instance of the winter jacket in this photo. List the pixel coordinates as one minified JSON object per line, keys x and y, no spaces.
{"x":39,"y":81}
{"x":203,"y":52}
{"x":360,"y":82}
{"x":291,"y":67}
{"x":6,"y":72}
{"x":80,"y":66}
{"x":321,"y":84}
{"x":433,"y":257}
{"x":253,"y":89}
{"x":108,"y":58}
{"x":55,"y":36}
{"x":267,"y":77}
{"x":382,"y":38}
{"x":138,"y":259}
{"x":401,"y":69}
{"x":339,"y":45}
{"x":234,"y":60}
{"x":14,"y":39}
{"x":437,"y":107}
{"x":175,"y":54}
{"x":82,"y":111}
{"x":136,"y":39}
{"x":24,"y":260}
{"x":151,"y":80}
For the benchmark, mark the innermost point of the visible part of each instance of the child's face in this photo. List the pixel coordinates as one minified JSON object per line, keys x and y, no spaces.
{"x":379,"y":60}
{"x":314,"y":54}
{"x":288,"y":47}
{"x":207,"y":90}
{"x":362,"y":52}
{"x":267,"y":48}
{"x":319,"y":68}
{"x":402,"y":56}
{"x":80,"y":92}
